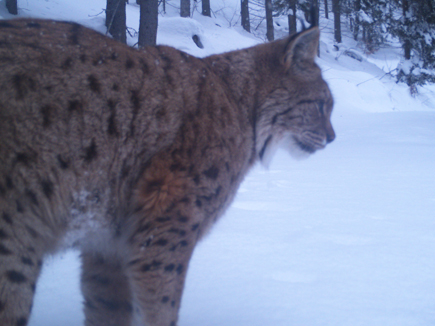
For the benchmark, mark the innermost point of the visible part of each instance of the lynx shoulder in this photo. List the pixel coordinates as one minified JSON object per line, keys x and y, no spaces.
{"x":131,"y":155}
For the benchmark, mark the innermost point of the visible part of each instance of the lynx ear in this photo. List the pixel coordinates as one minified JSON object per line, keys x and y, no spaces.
{"x":302,"y":49}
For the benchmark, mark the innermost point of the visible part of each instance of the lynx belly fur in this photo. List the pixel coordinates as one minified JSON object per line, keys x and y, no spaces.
{"x":132,"y":155}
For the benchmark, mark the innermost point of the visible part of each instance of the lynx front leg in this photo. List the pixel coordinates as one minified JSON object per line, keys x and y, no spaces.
{"x":106,"y":291}
{"x":157,"y":273}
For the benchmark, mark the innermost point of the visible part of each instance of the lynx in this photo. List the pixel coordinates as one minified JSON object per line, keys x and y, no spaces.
{"x":131,"y":156}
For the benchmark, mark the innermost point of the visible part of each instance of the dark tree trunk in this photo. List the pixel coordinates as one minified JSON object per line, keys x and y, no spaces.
{"x":115,"y":19}
{"x":185,"y":8}
{"x":406,"y":42}
{"x":206,"y":8}
{"x":292,"y":27}
{"x":269,"y":20}
{"x":148,"y":22}
{"x":326,"y":10}
{"x":357,"y":23}
{"x":12,"y":6}
{"x":337,"y":21}
{"x":246,"y":23}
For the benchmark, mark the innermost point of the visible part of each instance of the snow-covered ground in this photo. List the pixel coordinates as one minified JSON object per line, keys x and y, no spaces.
{"x":345,"y":238}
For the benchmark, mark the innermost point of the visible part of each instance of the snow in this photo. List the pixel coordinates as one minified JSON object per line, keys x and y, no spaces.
{"x":346,"y":237}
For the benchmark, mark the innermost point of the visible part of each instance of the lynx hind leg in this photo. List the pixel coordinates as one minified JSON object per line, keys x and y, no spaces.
{"x":20,"y":264}
{"x":105,"y":287}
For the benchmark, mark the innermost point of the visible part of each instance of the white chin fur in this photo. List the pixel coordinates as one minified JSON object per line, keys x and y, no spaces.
{"x":288,"y":144}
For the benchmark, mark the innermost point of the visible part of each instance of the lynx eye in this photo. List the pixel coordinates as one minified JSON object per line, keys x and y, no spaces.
{"x":320,"y":106}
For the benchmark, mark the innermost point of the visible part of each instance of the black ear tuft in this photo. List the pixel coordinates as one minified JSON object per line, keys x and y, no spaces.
{"x":302,"y":48}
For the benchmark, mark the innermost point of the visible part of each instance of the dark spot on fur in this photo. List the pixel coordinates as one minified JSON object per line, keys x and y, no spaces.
{"x":144,"y":228}
{"x":110,"y":305}
{"x":32,"y":232}
{"x":151,"y":267}
{"x":134,"y":98}
{"x":89,"y":304}
{"x":32,"y":196}
{"x":2,"y":306}
{"x":195,"y":227}
{"x":67,"y":63}
{"x":227,"y":166}
{"x":20,"y":208}
{"x":163,"y":219}
{"x":115,"y":87}
{"x":31,"y":249}
{"x":16,"y":277}
{"x":101,"y":280}
{"x":33,"y":287}
{"x":173,"y":303}
{"x":165,"y":299}
{"x":169,"y":268}
{"x":161,"y":113}
{"x":7,"y":218}
{"x":74,"y":106}
{"x":83,"y":58}
{"x":74,"y":33}
{"x":161,"y":242}
{"x":111,"y":124}
{"x":2,"y":191}
{"x":47,"y":188}
{"x":90,"y":152}
{"x":212,"y":172}
{"x":179,"y":269}
{"x":62,"y":163}
{"x":23,"y":158}
{"x":129,"y":64}
{"x":9,"y":183}
{"x":39,"y":263}
{"x":4,"y":24}
{"x":3,"y":234}
{"x":198,"y":203}
{"x":26,"y":261}
{"x":184,"y":243}
{"x":177,"y":167}
{"x":94,"y":84}
{"x":33,"y":25}
{"x":4,"y":251}
{"x":134,"y":262}
{"x":21,"y":321}
{"x":185,"y":200}
{"x":183,"y":219}
{"x":197,"y":179}
{"x":23,"y":84}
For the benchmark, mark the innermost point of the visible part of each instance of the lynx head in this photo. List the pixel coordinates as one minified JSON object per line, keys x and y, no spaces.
{"x":296,"y":113}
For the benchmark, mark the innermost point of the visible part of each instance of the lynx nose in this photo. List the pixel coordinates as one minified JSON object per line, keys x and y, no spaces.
{"x":330,"y":135}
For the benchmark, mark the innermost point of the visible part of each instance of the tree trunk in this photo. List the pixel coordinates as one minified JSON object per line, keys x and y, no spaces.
{"x":356,"y":23}
{"x":337,"y":22}
{"x":292,"y":27}
{"x":206,"y":8}
{"x":115,"y":19}
{"x":185,"y":8}
{"x":406,"y":42}
{"x":269,"y":20}
{"x":12,"y":6}
{"x":148,"y":22}
{"x":246,"y":23}
{"x":326,"y":10}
